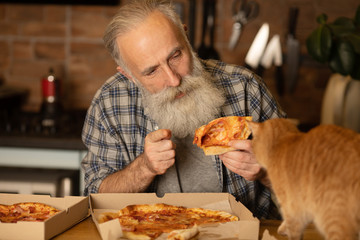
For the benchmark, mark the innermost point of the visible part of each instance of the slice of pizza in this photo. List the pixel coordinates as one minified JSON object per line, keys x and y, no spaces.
{"x":214,"y":136}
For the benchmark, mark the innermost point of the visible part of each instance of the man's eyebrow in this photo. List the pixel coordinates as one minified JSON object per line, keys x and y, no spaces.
{"x":152,"y":68}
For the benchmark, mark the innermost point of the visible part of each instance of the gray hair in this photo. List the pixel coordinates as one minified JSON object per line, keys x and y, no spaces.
{"x":129,"y":16}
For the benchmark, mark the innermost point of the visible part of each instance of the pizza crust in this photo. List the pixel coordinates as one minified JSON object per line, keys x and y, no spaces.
{"x":183,"y":234}
{"x":217,"y":150}
{"x":107,"y":216}
{"x":135,"y":236}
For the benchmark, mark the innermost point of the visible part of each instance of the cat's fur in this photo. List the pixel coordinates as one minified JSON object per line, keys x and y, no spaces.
{"x":315,"y":176}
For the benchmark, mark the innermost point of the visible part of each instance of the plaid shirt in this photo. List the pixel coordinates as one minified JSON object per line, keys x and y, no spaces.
{"x":115,"y":128}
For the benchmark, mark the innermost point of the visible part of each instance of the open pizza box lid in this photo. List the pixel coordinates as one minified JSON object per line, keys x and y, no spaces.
{"x":74,"y":209}
{"x":246,"y":228}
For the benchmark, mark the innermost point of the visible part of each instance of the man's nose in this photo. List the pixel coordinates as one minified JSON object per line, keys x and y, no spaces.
{"x":173,"y":79}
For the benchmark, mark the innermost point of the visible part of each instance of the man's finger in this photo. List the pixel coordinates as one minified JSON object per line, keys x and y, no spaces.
{"x":159,"y":135}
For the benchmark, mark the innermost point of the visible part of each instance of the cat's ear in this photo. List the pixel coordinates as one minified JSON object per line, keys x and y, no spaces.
{"x":254,"y":126}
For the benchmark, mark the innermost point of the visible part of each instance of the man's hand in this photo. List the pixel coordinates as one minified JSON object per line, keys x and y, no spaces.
{"x":159,"y":152}
{"x":242,"y":161}
{"x":158,"y":156}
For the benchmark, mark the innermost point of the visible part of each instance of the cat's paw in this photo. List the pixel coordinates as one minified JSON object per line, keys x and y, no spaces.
{"x":292,"y":234}
{"x":282,"y":230}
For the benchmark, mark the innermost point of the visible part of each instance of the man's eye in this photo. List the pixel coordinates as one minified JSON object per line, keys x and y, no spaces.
{"x":177,"y":54}
{"x":151,"y":72}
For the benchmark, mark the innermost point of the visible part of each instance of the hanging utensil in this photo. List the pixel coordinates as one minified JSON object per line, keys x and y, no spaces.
{"x":192,"y":11}
{"x":243,"y":12}
{"x":202,"y":49}
{"x":205,"y":51}
{"x":212,"y":53}
{"x":257,"y":48}
{"x":273,"y":55}
{"x":293,"y":52}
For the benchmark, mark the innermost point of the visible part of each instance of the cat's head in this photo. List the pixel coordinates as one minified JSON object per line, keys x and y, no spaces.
{"x":267,"y":134}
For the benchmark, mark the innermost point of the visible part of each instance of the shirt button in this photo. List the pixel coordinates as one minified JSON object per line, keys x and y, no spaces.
{"x":156,"y":128}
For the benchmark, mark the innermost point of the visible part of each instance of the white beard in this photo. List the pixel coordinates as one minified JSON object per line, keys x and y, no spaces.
{"x":201,"y":103}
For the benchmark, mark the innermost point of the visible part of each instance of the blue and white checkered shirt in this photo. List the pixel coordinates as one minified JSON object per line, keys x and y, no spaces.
{"x":116,"y":126}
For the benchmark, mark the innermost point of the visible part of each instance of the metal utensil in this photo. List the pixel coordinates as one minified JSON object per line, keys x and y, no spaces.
{"x":202,"y":49}
{"x":205,"y":51}
{"x":293,"y":52}
{"x":212,"y":53}
{"x":243,"y":12}
{"x":192,"y":11}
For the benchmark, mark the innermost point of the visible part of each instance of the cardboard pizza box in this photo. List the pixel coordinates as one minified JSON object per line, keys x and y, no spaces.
{"x":246,"y":228}
{"x":74,"y":209}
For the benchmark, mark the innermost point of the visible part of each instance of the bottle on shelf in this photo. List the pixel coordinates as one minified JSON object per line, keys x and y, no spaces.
{"x":51,"y":105}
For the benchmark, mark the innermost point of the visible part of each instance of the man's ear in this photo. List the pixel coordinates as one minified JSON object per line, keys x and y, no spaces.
{"x":120,"y":70}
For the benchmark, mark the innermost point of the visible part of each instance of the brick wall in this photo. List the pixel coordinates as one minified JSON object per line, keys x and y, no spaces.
{"x":34,"y":38}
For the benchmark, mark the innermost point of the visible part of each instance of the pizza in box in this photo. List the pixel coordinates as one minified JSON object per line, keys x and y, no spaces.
{"x":150,"y":221}
{"x":26,"y":211}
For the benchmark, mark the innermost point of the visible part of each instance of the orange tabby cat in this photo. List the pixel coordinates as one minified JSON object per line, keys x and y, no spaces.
{"x":315,"y":176}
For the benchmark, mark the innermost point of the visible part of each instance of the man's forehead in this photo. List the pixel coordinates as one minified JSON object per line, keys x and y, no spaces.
{"x":155,"y":37}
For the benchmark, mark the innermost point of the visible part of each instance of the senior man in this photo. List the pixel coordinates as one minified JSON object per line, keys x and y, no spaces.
{"x":141,"y":122}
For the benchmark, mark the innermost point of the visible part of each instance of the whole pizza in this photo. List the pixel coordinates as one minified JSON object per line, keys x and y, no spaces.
{"x":26,"y":211}
{"x":214,"y":136}
{"x":149,"y":221}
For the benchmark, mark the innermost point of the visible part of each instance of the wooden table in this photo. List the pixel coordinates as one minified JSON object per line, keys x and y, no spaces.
{"x":86,"y":230}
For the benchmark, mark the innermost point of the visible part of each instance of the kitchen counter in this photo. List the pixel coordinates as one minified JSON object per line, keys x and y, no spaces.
{"x":49,"y":152}
{"x":49,"y":142}
{"x":86,"y":229}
